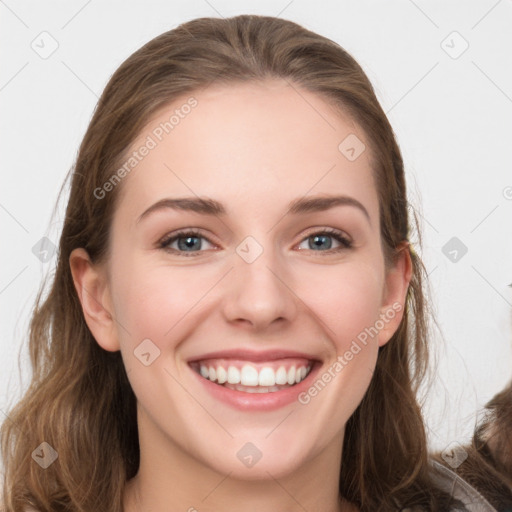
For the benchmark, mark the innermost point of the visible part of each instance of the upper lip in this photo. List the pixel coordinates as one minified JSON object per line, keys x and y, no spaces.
{"x":254,"y":356}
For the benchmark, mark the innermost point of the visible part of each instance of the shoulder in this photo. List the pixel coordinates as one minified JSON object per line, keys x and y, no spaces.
{"x":461,"y":490}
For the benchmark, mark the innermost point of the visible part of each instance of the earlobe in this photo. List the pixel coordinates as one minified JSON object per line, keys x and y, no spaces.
{"x":395,"y":294}
{"x":93,"y":292}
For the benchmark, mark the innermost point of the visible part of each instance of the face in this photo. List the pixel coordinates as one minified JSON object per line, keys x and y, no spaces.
{"x":249,"y":331}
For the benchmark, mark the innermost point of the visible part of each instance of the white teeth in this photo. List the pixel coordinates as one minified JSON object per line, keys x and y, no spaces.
{"x":233,"y":375}
{"x":267,"y":377}
{"x":249,"y":376}
{"x":281,"y":376}
{"x":222,"y":375}
{"x":291,"y":375}
{"x":300,"y":374}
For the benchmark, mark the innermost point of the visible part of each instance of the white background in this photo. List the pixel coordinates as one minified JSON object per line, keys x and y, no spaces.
{"x":452,"y":118}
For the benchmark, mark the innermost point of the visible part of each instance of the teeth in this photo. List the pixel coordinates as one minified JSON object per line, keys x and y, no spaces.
{"x":281,"y":376}
{"x":249,"y":376}
{"x":267,"y":377}
{"x":265,"y":381}
{"x":291,"y":375}
{"x":233,"y":375}
{"x":222,"y":375}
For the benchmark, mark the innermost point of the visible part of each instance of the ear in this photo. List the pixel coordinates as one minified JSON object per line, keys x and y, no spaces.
{"x":394,"y":295}
{"x":93,"y":291}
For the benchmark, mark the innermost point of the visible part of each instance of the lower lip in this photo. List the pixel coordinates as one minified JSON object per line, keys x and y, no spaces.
{"x":259,"y":401}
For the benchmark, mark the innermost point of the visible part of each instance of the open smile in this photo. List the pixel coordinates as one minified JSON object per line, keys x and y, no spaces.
{"x":250,"y":377}
{"x":255,"y":383}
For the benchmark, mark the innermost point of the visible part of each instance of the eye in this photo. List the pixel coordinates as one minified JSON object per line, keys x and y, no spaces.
{"x":320,"y":239}
{"x":189,"y":242}
{"x":186,"y":239}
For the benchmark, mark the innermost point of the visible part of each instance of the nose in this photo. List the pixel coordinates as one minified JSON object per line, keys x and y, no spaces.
{"x":259,"y":294}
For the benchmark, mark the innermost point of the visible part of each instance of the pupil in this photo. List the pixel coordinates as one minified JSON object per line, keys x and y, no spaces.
{"x":320,"y":237}
{"x":188,"y":244}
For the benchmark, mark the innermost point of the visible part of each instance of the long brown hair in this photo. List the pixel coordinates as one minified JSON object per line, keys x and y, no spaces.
{"x":80,"y":401}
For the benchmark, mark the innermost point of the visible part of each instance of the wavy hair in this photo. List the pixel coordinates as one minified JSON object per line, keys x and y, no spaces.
{"x":80,"y":400}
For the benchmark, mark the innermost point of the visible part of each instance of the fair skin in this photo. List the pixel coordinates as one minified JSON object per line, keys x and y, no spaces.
{"x":254,"y":148}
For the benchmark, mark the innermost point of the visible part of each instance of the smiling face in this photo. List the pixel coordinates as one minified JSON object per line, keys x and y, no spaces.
{"x":273,"y":286}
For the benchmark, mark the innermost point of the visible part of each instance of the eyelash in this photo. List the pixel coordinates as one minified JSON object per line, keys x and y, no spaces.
{"x":334,"y":233}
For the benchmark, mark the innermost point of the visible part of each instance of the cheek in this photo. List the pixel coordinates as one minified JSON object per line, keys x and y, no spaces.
{"x":346,"y":298}
{"x":162,"y":303}
{"x":149,"y":300}
{"x":156,"y":304}
{"x":347,"y":302}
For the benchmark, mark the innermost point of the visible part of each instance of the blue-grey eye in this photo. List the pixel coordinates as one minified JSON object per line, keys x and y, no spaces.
{"x":322,"y":241}
{"x":188,"y":242}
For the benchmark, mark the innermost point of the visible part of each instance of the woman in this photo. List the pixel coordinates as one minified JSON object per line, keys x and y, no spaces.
{"x":199,"y":349}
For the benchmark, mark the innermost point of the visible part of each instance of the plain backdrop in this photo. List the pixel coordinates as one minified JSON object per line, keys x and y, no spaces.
{"x":442,"y":71}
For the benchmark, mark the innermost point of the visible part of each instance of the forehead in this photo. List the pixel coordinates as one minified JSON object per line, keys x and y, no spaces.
{"x":258,"y":145}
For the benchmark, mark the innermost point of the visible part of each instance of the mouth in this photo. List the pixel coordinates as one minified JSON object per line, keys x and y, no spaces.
{"x":251,"y":377}
{"x":255,"y":381}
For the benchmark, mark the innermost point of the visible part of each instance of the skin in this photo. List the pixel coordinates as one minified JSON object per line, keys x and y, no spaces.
{"x":254,"y":147}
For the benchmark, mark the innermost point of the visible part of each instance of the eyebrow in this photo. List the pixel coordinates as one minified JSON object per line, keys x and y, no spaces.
{"x":208,"y":206}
